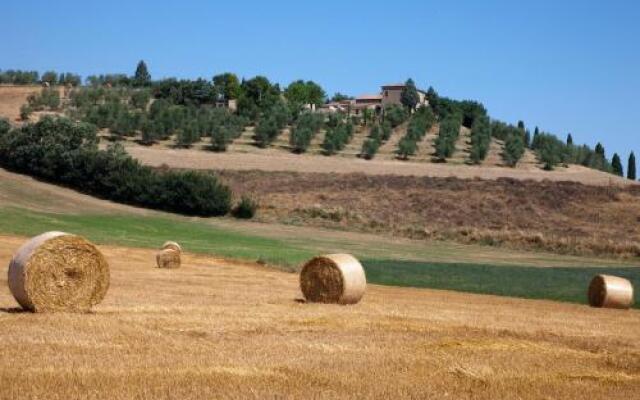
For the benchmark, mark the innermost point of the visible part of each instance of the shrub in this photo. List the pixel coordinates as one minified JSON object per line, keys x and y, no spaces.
{"x":245,"y":209}
{"x":480,"y":139}
{"x":446,"y":141}
{"x":60,"y":151}
{"x":301,"y":135}
{"x":337,"y":137}
{"x":513,"y":149}
{"x":407,"y":147}
{"x":395,"y":115}
{"x":25,"y":112}
{"x":369,"y":148}
{"x":266,"y":132}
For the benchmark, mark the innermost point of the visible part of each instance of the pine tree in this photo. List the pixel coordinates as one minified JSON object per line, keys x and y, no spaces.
{"x":142,"y":76}
{"x":631,"y":168}
{"x":616,"y":165}
{"x":569,"y":140}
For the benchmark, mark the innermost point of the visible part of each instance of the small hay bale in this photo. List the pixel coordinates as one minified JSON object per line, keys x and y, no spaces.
{"x":57,"y":271}
{"x":168,"y":258}
{"x":608,"y":291}
{"x":172,"y":245}
{"x":333,"y":278}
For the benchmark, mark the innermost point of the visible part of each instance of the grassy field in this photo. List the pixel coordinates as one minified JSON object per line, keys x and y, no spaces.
{"x":413,"y":267}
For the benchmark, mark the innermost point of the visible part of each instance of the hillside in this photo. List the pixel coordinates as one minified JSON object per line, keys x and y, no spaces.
{"x":243,"y":154}
{"x":227,"y":330}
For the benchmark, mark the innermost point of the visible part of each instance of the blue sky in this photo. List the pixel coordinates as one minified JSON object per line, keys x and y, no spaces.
{"x":566,"y":66}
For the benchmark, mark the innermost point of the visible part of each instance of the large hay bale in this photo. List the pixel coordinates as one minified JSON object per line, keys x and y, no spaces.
{"x":168,"y":258}
{"x":333,"y":278}
{"x":57,"y":271}
{"x":172,"y":245}
{"x":608,"y":291}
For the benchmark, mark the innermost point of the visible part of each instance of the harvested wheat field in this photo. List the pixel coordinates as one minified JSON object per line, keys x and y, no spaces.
{"x":217,"y":329}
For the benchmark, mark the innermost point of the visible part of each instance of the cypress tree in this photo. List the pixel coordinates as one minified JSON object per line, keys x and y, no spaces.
{"x":616,"y":165}
{"x":142,"y":76}
{"x":409,"y":96}
{"x":631,"y":168}
{"x":569,"y":140}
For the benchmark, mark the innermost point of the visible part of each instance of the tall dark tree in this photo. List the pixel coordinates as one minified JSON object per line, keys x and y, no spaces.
{"x":521,"y":125}
{"x":527,"y":138}
{"x":631,"y":168}
{"x":409,"y":96}
{"x":227,"y":86}
{"x":142,"y":76}
{"x":616,"y":165}
{"x":569,"y":140}
{"x":600,"y":149}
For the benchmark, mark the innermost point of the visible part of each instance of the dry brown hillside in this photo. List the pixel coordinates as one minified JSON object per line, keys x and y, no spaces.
{"x":13,"y":97}
{"x":215,"y":329}
{"x":555,"y":216}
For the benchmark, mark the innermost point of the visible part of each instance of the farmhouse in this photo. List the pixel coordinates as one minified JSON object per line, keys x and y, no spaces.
{"x":389,"y":95}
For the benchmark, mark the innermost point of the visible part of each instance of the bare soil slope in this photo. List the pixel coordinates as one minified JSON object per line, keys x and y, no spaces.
{"x":214,"y":329}
{"x":13,"y":97}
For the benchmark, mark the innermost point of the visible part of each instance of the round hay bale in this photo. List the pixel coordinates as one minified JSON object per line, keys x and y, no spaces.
{"x":608,"y":291}
{"x":168,"y":258}
{"x":333,"y":278}
{"x":172,"y":245}
{"x":57,"y":271}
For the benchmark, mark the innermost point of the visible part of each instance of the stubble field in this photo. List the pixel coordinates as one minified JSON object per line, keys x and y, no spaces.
{"x":218,"y":329}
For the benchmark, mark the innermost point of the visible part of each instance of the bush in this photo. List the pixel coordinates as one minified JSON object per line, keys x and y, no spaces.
{"x":407,"y":147}
{"x":480,"y":139}
{"x":395,"y":115}
{"x":446,"y":141}
{"x":307,"y":127}
{"x":245,"y":209}
{"x":369,"y":148}
{"x":513,"y":149}
{"x":337,"y":137}
{"x":25,"y":112}
{"x":60,"y":151}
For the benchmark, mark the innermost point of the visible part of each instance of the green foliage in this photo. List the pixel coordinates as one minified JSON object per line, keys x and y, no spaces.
{"x":61,"y":151}
{"x":480,"y":139}
{"x":113,"y":80}
{"x":188,"y":134}
{"x":301,"y":93}
{"x":227,"y":86}
{"x":445,"y":143}
{"x":258,"y":95}
{"x":421,"y":121}
{"x":306,"y":128}
{"x":18,"y":77}
{"x":407,"y":147}
{"x":338,"y":97}
{"x":25,"y":112}
{"x":184,"y":92}
{"x":266,"y":131}
{"x":369,"y":148}
{"x":616,"y":165}
{"x":631,"y":168}
{"x":409,"y":96}
{"x":246,"y":208}
{"x":51,"y":77}
{"x":569,"y":140}
{"x":140,"y":98}
{"x":48,"y":99}
{"x":337,"y":137}
{"x":142,"y":77}
{"x":395,"y":115}
{"x":513,"y":149}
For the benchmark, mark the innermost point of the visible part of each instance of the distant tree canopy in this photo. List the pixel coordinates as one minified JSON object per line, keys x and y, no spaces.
{"x":301,"y":92}
{"x":61,"y":151}
{"x":337,"y":97}
{"x":409,"y":96}
{"x":141,"y":77}
{"x":226,"y":86}
{"x":18,"y":77}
